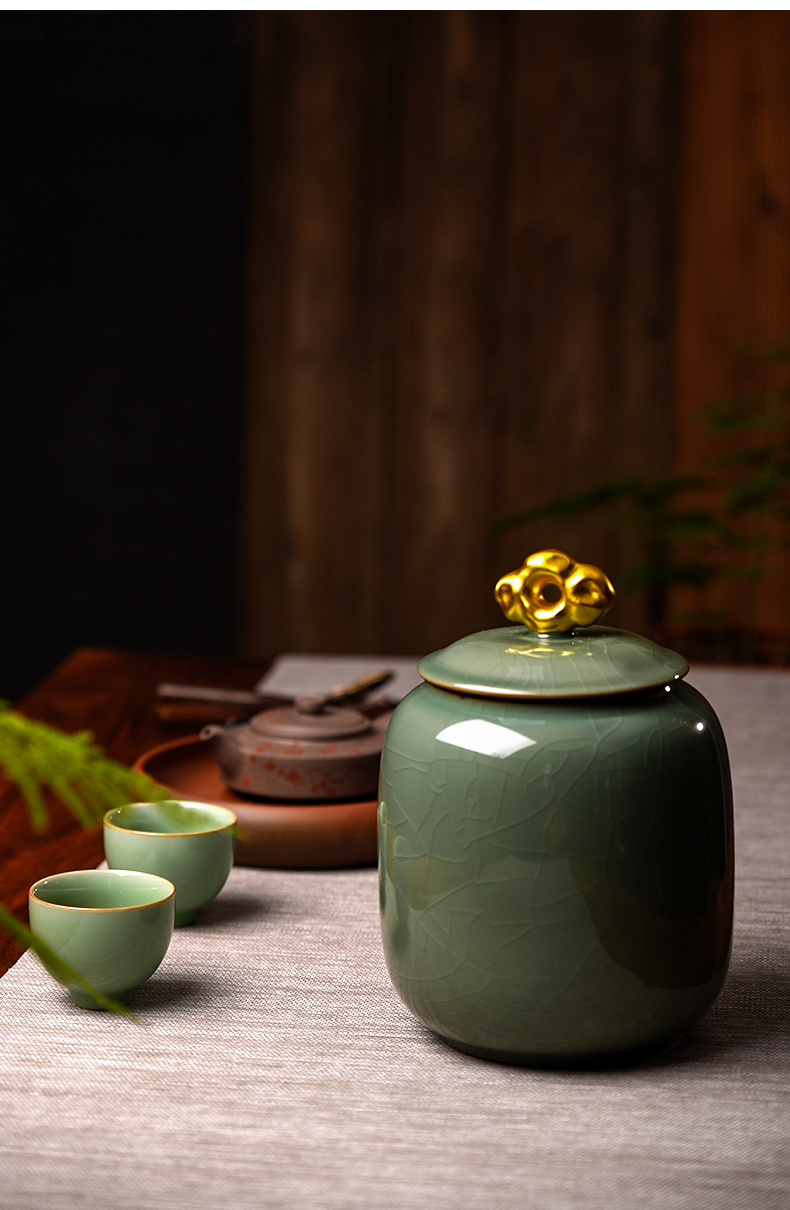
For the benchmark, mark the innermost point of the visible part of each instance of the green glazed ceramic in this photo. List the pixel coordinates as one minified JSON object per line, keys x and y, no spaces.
{"x":113,"y":926}
{"x":556,"y":872}
{"x":510,"y":661}
{"x":191,"y":844}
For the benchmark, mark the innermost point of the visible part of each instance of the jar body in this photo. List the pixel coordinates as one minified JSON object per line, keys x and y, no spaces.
{"x":556,"y":877}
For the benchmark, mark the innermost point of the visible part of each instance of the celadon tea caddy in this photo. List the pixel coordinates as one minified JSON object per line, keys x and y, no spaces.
{"x":555,"y":834}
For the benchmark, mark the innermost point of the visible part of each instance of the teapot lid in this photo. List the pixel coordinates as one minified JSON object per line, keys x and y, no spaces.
{"x":556,"y":652}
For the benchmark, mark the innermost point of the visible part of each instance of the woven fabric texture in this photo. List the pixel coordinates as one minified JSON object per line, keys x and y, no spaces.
{"x":274,"y":1065}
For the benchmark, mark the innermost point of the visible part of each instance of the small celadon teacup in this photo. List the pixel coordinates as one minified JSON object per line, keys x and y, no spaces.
{"x":190,"y":843}
{"x":112,"y":927}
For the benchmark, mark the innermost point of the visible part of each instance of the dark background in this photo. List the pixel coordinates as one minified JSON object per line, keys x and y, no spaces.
{"x":300,"y":305}
{"x":121,"y":219}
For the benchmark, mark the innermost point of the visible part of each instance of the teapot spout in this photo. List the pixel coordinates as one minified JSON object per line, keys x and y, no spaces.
{"x":226,"y":751}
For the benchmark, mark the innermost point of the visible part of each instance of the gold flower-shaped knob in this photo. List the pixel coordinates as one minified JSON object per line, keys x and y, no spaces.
{"x":551,"y":592}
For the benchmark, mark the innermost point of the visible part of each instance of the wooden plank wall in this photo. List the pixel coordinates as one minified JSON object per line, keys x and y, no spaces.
{"x":460,"y":296}
{"x":734,"y":252}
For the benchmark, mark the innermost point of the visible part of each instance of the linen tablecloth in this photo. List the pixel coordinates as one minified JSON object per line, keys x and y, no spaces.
{"x":274,"y":1065}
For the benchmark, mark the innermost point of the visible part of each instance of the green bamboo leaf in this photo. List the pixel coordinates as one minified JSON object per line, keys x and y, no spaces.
{"x":32,"y":795}
{"x":776,"y":356}
{"x":81,"y":808}
{"x":652,"y":492}
{"x":747,"y":571}
{"x":690,"y":574}
{"x":564,"y":506}
{"x":642,"y":494}
{"x":753,"y":455}
{"x":690,"y":526}
{"x":693,"y":526}
{"x":739,"y":413}
{"x":756,"y":490}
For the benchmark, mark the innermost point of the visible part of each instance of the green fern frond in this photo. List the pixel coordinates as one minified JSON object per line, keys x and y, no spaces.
{"x":36,"y":757}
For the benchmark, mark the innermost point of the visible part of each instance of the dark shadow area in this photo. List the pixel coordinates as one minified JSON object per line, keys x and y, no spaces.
{"x":751,"y":1012}
{"x":229,"y":908}
{"x":121,"y":249}
{"x":171,"y":992}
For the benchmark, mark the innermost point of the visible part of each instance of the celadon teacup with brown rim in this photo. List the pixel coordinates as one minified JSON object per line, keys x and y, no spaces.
{"x":112,"y":927}
{"x":190,"y":843}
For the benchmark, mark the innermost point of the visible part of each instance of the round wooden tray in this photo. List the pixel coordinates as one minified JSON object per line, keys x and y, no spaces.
{"x":277,"y":835}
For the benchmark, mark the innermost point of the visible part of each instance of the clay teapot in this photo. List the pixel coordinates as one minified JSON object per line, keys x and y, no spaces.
{"x":313,"y":750}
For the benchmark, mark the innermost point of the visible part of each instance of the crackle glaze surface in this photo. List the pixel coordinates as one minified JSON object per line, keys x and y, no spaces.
{"x":511,"y":661}
{"x":113,"y":926}
{"x":191,"y":844}
{"x":556,"y":876}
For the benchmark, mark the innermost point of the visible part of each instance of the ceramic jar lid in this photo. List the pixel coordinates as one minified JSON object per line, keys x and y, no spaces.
{"x":511,"y":662}
{"x":556,"y":652}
